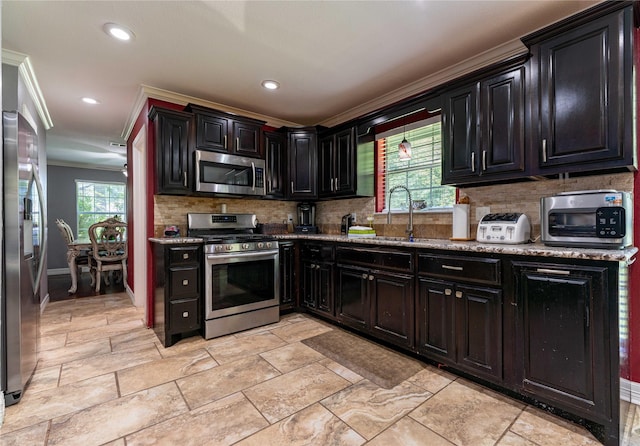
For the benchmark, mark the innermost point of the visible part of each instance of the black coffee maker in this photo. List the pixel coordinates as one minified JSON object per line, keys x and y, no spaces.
{"x":306,"y":219}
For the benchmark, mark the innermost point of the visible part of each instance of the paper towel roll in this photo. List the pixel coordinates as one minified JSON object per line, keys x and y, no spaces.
{"x":460,"y":221}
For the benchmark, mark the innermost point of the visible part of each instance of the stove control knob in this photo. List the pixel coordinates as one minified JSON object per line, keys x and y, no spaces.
{"x":260,"y":245}
{"x":219,"y":247}
{"x":228,"y":247}
{"x":245,"y":246}
{"x":269,"y":244}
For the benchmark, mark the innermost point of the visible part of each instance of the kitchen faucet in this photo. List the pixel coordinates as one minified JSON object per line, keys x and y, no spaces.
{"x":409,"y":230}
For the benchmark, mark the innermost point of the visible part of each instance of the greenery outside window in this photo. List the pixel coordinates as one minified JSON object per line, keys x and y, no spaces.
{"x":97,"y":201}
{"x":421,"y":174}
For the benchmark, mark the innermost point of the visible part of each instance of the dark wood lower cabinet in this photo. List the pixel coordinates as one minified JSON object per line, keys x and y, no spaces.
{"x":461,"y":325}
{"x":316,"y":282}
{"x":287,"y":264}
{"x":177,"y":310}
{"x":565,"y":336}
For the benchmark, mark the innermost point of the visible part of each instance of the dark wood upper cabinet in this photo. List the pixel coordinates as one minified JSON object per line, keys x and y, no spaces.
{"x":302,"y":163}
{"x":483,"y":129}
{"x":222,"y":132}
{"x":275,"y":158}
{"x":581,"y":95}
{"x":173,"y":147}
{"x":337,"y":164}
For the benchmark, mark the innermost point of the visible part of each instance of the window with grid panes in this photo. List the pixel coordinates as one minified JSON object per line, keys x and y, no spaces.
{"x":97,"y":201}
{"x":421,"y":174}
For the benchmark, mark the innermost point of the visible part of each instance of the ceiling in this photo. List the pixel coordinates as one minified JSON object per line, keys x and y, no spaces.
{"x":335,"y":60}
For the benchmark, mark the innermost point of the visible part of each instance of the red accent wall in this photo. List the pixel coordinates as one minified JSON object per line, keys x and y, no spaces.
{"x":634,"y":270}
{"x":141,"y":121}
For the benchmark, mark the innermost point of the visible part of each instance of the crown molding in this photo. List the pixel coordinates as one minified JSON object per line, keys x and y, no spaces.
{"x":148,"y":92}
{"x":28,"y":75}
{"x":489,"y":57}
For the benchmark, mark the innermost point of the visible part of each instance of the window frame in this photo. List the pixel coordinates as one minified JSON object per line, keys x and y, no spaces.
{"x":82,"y":233}
{"x":398,"y":127}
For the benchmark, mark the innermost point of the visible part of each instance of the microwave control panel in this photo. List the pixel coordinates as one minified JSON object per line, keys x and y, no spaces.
{"x":610,"y":222}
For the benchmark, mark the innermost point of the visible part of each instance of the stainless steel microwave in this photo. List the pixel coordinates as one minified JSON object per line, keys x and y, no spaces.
{"x":221,"y":173}
{"x":590,"y":219}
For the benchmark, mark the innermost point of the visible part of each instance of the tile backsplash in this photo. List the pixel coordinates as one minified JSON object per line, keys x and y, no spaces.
{"x":514,"y":197}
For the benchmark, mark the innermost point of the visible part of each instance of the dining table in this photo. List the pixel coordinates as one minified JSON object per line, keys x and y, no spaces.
{"x":74,"y":249}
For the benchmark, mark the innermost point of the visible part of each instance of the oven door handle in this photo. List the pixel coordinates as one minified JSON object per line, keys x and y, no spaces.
{"x":241,"y":256}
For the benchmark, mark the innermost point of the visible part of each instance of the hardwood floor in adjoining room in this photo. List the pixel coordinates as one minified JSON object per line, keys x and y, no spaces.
{"x":103,"y":378}
{"x":59,"y":287}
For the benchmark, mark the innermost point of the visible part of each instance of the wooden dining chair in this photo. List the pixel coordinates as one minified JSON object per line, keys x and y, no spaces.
{"x":82,"y":259}
{"x":109,"y":249}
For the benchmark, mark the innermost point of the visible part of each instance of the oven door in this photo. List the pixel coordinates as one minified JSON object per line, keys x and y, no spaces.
{"x":241,"y":282}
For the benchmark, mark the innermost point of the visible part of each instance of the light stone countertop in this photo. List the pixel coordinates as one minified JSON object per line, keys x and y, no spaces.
{"x":175,"y":240}
{"x":525,"y":249}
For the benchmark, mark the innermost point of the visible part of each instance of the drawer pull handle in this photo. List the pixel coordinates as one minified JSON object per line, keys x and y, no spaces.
{"x":454,"y":268}
{"x":237,"y":143}
{"x":185,"y":256}
{"x":224,"y":141}
{"x":544,"y":150}
{"x":553,"y":271}
{"x":473,"y":162}
{"x":459,"y":294}
{"x":185,"y":282}
{"x":185,"y":314}
{"x":447,"y":292}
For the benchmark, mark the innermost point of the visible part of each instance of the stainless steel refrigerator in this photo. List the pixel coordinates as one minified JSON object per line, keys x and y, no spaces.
{"x":24,"y":238}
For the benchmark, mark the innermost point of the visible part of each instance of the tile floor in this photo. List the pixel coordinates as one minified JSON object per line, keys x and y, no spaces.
{"x":103,"y":378}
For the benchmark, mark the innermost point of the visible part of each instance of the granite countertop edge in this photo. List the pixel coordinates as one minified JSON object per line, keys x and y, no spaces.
{"x":525,"y":249}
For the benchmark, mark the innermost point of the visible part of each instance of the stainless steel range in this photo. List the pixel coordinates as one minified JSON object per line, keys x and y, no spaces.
{"x":241,"y":273}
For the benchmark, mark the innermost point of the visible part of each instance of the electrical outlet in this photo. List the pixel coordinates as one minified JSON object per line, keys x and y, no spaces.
{"x":353,"y":217}
{"x":289,"y":217}
{"x":481,"y":211}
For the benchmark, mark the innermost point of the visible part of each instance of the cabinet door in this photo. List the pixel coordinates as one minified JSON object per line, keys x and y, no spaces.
{"x":326,"y":169}
{"x":353,"y":303}
{"x":308,"y":287}
{"x":564,"y":335}
{"x":392,"y":301}
{"x":479,"y":330}
{"x":173,"y":152}
{"x":287,"y":274}
{"x":275,"y":161}
{"x":324,"y":287}
{"x":302,"y":165}
{"x":345,"y":163}
{"x":246,"y":139}
{"x":434,"y":319}
{"x":212,"y":133}
{"x":502,"y":123}
{"x":460,"y":135}
{"x":585,"y":81}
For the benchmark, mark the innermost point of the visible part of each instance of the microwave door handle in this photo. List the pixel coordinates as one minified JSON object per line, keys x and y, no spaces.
{"x":253,"y":171}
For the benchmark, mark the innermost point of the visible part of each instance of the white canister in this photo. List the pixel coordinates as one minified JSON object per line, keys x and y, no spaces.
{"x":223,"y":208}
{"x":461,"y":221}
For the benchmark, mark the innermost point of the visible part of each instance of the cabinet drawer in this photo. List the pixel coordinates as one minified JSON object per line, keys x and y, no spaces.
{"x":480,"y":270}
{"x":183,"y":315}
{"x":184,"y":254}
{"x":313,"y":252}
{"x":183,"y":282}
{"x":376,"y":258}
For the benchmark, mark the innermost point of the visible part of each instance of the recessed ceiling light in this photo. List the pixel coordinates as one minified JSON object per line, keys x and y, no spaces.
{"x":90,"y":101}
{"x":270,"y":85}
{"x":118,"y":31}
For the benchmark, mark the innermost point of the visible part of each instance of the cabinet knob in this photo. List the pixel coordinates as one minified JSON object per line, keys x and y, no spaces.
{"x":371,"y":277}
{"x":447,"y":292}
{"x":185,"y":256}
{"x":185,"y":314}
{"x":185,"y":282}
{"x":459,"y":294}
{"x":365,"y":275}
